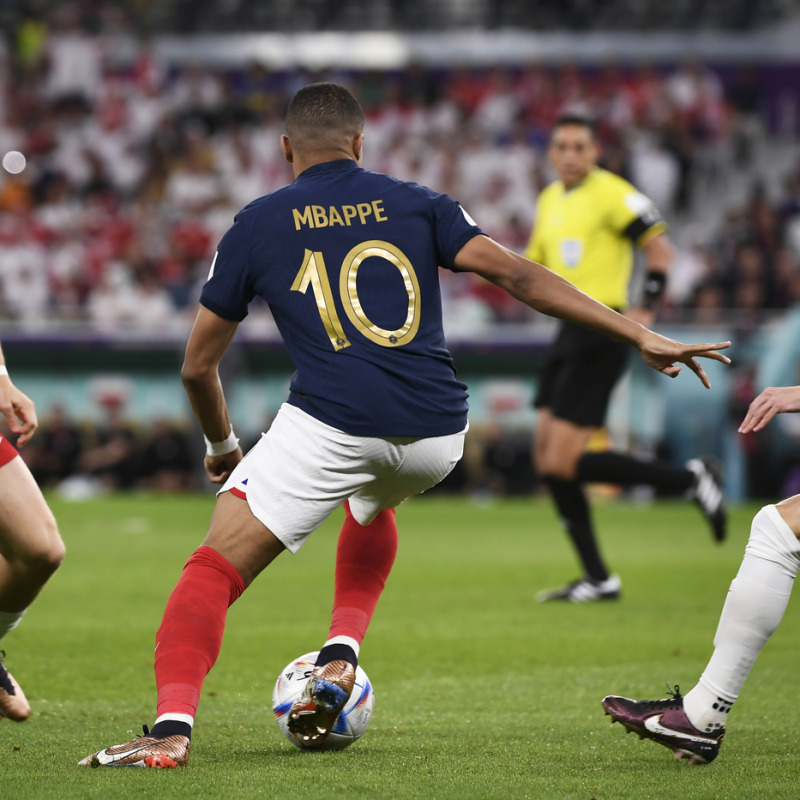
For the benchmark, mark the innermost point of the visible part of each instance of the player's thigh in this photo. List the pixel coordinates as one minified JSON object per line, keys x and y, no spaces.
{"x":421,"y":464}
{"x":27,"y":525}
{"x":237,"y":535}
{"x":299,"y":472}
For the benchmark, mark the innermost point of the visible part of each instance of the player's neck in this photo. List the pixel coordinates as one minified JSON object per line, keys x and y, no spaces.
{"x":303,"y":162}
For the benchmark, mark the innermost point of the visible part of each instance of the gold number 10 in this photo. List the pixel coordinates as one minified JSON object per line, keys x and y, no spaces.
{"x":314,"y":273}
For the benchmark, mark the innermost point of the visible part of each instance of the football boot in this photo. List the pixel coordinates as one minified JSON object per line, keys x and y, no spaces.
{"x":326,"y":693}
{"x":585,"y":590}
{"x":665,"y":722}
{"x":13,"y":703}
{"x":146,"y":751}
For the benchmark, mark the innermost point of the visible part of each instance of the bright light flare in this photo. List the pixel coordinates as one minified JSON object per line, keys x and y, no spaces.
{"x":14,"y":162}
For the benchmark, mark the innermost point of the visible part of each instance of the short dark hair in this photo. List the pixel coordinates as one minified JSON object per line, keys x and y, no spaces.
{"x":574,"y":118}
{"x":323,"y":113}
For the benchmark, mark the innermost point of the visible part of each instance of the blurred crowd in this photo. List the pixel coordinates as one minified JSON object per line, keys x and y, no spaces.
{"x":135,"y":167}
{"x":203,"y":16}
{"x":82,"y":458}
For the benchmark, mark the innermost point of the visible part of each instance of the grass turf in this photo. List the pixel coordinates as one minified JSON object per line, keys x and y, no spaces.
{"x":481,"y":692}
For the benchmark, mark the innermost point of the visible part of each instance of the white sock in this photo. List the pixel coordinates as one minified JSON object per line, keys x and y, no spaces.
{"x":348,"y":640}
{"x":9,"y":620}
{"x":756,"y":601}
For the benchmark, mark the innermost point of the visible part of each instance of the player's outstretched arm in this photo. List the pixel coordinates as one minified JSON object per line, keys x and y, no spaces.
{"x":208,"y":342}
{"x":543,"y":290}
{"x":772,"y":401}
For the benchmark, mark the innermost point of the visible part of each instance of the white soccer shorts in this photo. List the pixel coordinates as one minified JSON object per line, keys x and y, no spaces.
{"x":301,"y":470}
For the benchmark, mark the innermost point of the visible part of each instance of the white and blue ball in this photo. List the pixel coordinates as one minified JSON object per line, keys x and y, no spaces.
{"x":348,"y":726}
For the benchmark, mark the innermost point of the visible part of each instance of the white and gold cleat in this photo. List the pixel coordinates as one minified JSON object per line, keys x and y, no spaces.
{"x":146,"y":751}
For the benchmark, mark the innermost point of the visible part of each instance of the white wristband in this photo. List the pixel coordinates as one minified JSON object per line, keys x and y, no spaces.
{"x":3,"y":370}
{"x":222,"y":448}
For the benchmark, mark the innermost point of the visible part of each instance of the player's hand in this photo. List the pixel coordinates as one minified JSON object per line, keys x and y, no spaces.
{"x":19,"y":411}
{"x":770,"y":402}
{"x":667,"y":355}
{"x":219,"y":468}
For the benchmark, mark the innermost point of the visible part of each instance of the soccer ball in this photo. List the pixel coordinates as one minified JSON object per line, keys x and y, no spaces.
{"x":348,"y":726}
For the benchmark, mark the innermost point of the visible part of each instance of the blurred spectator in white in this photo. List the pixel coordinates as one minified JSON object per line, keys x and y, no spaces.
{"x":655,"y":171}
{"x":75,"y":58}
{"x":112,"y":304}
{"x":691,"y":266}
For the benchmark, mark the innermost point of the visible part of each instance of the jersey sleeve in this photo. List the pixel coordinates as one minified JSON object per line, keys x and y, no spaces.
{"x":635,"y":215}
{"x":227,"y":291}
{"x":454,"y":227}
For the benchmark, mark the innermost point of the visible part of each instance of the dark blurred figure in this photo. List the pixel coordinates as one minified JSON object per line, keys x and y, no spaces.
{"x":167,"y":464}
{"x":114,"y":455}
{"x":53,"y":455}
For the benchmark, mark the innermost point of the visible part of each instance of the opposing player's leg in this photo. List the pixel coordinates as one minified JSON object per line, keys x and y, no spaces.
{"x":364,"y":558}
{"x":30,"y":552}
{"x":558,"y":447}
{"x":693,"y":726}
{"x":238,"y":547}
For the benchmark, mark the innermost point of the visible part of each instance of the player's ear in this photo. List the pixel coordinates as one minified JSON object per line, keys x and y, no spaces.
{"x":286,"y":146}
{"x":358,"y":147}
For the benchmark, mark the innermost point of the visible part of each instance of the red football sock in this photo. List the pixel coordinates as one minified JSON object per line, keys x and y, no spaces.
{"x":190,"y":636}
{"x":364,"y":558}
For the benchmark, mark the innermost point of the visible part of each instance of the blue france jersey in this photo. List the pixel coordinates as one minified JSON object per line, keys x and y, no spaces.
{"x":348,"y":262}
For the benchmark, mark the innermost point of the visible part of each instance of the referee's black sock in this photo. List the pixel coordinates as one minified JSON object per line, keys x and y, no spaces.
{"x":626,"y":470}
{"x":570,"y":500}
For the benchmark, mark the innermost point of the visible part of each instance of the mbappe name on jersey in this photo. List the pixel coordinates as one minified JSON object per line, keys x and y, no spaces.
{"x":322,"y":217}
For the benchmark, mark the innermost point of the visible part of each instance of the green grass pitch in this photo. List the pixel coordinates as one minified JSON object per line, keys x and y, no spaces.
{"x":480,"y":692}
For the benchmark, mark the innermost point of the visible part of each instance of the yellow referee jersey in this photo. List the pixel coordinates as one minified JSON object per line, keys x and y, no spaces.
{"x":586,"y":234}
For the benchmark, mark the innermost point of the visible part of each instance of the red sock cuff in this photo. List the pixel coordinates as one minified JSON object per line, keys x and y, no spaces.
{"x":207,"y":556}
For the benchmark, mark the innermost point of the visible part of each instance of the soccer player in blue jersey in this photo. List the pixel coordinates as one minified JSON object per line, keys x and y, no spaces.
{"x":348,"y":262}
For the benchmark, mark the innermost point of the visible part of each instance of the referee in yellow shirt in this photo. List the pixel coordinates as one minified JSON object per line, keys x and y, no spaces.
{"x":587,"y":224}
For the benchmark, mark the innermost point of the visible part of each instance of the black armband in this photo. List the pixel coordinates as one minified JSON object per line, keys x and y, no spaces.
{"x":655,"y":282}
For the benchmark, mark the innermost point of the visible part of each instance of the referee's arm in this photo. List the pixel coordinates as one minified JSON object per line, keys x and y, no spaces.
{"x":658,"y":252}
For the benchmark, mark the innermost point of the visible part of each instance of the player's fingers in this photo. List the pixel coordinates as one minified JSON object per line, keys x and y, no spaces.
{"x":758,"y":415}
{"x":699,"y":371}
{"x":714,"y":356}
{"x":708,"y":350}
{"x":671,"y":370}
{"x":696,"y":349}
{"x":11,"y":418}
{"x":23,"y":439}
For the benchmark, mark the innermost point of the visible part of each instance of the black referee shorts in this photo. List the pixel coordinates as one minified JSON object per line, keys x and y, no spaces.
{"x":579,"y":373}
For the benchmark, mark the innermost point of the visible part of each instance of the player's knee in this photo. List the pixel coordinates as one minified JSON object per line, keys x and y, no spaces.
{"x":48,"y":551}
{"x":773,"y":539}
{"x":789,"y":509}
